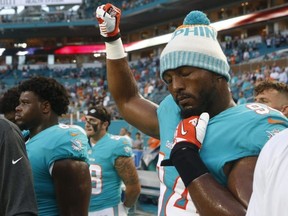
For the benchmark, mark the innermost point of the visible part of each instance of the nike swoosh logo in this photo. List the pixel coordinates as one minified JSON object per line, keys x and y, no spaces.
{"x":16,"y":161}
{"x":183,"y":132}
{"x":275,"y":121}
{"x":74,"y":134}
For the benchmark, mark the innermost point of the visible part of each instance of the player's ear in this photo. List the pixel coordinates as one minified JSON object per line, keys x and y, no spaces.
{"x":284,"y":110}
{"x":46,"y":106}
{"x":106,"y":124}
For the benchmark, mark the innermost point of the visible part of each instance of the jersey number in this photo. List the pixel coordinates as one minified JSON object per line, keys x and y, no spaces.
{"x":96,"y":178}
{"x":179,"y":199}
{"x":258,"y":108}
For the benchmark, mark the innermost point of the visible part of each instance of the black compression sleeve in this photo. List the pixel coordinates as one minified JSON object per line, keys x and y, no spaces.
{"x":185,"y":157}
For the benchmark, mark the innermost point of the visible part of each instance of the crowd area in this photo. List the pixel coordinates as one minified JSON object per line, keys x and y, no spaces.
{"x":242,"y":85}
{"x":88,"y":86}
{"x":243,"y":50}
{"x":85,"y":11}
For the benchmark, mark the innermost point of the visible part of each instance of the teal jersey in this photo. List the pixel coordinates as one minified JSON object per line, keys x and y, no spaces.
{"x":106,"y":183}
{"x":239,"y":132}
{"x":52,"y":144}
{"x":235,"y":133}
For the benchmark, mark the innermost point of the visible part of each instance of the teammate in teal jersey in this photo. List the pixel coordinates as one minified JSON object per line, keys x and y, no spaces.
{"x":196,"y":72}
{"x":111,"y":164}
{"x":57,"y":152}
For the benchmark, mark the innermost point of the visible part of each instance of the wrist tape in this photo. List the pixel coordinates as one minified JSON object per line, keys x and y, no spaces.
{"x":185,"y":157}
{"x":115,"y":49}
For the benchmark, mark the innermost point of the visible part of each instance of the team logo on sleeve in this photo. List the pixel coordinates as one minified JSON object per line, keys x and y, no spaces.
{"x":77,"y":145}
{"x":127,"y":149}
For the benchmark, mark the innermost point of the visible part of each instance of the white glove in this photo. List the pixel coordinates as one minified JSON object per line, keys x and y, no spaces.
{"x":108,"y":17}
{"x":192,"y":130}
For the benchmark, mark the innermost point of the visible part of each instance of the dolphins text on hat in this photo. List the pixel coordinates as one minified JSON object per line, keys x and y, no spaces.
{"x":201,"y":31}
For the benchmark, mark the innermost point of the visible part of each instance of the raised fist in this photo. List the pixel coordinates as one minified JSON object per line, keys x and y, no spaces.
{"x":108,"y":17}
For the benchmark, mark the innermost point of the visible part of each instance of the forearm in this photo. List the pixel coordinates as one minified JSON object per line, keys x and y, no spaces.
{"x":126,"y":170}
{"x":134,"y":108}
{"x":121,"y":81}
{"x":131,"y":195}
{"x":211,"y":198}
{"x":241,"y":185}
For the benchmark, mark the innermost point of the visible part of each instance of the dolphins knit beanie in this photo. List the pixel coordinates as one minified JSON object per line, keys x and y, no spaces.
{"x":195,"y":44}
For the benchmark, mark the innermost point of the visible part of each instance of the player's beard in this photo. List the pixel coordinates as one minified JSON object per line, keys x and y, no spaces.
{"x":195,"y":109}
{"x":21,"y":125}
{"x":26,"y":125}
{"x":206,"y":102}
{"x":190,"y":112}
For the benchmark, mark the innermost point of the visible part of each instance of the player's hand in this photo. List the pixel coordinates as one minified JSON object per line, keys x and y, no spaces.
{"x":108,"y":17}
{"x":190,"y":132}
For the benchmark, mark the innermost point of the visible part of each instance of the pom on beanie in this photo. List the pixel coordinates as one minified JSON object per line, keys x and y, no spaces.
{"x":195,"y":44}
{"x":196,"y":18}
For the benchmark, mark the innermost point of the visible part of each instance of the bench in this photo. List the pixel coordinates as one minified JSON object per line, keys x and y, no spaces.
{"x":150,"y":184}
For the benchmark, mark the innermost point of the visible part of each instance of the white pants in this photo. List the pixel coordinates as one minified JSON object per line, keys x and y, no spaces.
{"x":119,"y":210}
